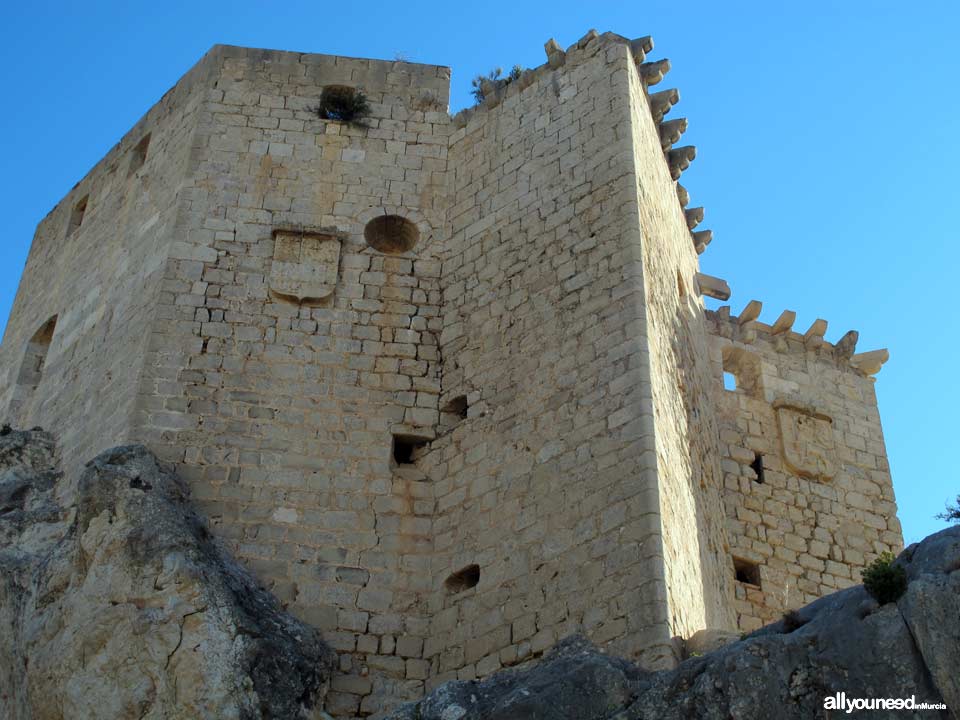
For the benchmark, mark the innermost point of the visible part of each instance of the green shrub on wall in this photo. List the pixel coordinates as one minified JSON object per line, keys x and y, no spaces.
{"x":884,"y":580}
{"x":344,"y":104}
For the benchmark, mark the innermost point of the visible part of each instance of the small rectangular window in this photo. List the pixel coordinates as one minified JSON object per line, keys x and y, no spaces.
{"x":76,"y":215}
{"x":729,"y":381}
{"x":31,"y":369}
{"x":406,"y":449}
{"x":757,"y":467}
{"x":746,"y":571}
{"x":457,"y":406}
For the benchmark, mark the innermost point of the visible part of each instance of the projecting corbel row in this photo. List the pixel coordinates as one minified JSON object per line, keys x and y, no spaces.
{"x":869,"y":363}
{"x":678,"y":158}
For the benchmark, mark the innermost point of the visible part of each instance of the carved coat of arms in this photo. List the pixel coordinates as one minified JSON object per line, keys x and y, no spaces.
{"x":808,"y":444}
{"x":305,"y":264}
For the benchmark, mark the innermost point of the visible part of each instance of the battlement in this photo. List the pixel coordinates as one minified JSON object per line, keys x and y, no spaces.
{"x":746,"y":328}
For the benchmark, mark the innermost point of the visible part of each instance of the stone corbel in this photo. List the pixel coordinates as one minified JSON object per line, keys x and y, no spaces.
{"x":661,"y":102}
{"x":671,"y":131}
{"x":711,"y":286}
{"x":652,"y":72}
{"x":869,"y":363}
{"x":701,"y":239}
{"x":693,"y":216}
{"x":679,"y":159}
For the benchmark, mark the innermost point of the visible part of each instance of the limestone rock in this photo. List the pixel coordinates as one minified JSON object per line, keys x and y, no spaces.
{"x":123,"y":606}
{"x":840,"y":643}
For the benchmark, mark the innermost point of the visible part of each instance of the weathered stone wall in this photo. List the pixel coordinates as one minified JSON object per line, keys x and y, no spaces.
{"x":549,"y":484}
{"x":681,"y":409}
{"x":281,"y":413}
{"x":536,"y":342}
{"x":100,"y":280}
{"x":825,"y":506}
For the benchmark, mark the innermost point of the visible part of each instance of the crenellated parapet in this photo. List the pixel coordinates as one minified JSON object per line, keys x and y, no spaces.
{"x":678,"y":159}
{"x":747,"y":328}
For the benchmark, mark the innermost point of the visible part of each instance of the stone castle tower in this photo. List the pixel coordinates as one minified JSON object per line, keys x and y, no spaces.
{"x":447,"y":385}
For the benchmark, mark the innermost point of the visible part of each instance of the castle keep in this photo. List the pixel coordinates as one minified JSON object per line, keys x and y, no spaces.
{"x":447,"y":385}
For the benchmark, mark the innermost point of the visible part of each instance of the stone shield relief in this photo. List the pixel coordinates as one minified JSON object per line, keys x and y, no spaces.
{"x":808,"y":445}
{"x":305,"y":264}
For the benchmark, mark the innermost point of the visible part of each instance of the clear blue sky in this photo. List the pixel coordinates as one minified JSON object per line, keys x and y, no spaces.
{"x":827,"y":138}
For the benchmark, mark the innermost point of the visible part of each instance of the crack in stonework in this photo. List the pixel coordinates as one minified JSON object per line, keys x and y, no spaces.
{"x":183,"y":621}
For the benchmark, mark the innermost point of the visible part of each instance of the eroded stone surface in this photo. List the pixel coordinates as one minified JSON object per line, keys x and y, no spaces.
{"x":122,"y":606}
{"x":844,"y":643}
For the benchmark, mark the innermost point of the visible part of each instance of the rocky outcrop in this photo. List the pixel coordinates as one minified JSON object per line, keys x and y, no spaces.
{"x":844,"y":642}
{"x":121,"y":605}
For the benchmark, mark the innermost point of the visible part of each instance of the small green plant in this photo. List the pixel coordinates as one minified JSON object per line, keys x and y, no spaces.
{"x":884,"y":580}
{"x":952,"y":513}
{"x":345,"y":104}
{"x":495,"y":77}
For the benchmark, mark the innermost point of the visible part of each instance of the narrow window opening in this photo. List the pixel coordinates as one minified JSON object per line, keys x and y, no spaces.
{"x":458,"y":406}
{"x":407,"y":449}
{"x":138,"y":156}
{"x":757,"y":467}
{"x":31,"y":370}
{"x":741,"y":371}
{"x":76,"y":215}
{"x":746,"y":571}
{"x":463,"y":579}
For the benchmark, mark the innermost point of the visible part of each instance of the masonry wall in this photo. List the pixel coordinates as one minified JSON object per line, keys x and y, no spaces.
{"x":689,"y":482}
{"x":100,"y":280}
{"x":825,"y":507}
{"x":542,"y":348}
{"x":548,"y":485}
{"x":281,"y":413}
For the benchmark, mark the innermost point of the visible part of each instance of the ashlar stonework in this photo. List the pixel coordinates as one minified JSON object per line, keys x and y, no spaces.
{"x":447,"y":384}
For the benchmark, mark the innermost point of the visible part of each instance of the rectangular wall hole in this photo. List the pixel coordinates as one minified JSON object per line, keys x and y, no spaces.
{"x":31,"y":369}
{"x":138,"y":156}
{"x":757,"y":467}
{"x":729,"y":381}
{"x":746,"y":571}
{"x":463,"y":579}
{"x":76,"y":215}
{"x":407,"y":448}
{"x":458,"y":406}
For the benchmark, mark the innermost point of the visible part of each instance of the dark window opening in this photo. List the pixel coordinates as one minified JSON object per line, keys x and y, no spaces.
{"x":458,"y":406}
{"x":36,"y":355}
{"x":391,"y":234}
{"x":138,"y":155}
{"x":407,"y":449}
{"x":757,"y":467}
{"x":746,"y":571}
{"x":76,"y":215}
{"x":463,"y":579}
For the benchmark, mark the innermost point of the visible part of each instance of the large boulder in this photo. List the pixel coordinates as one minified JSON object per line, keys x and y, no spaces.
{"x":123,"y":606}
{"x":842,"y":643}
